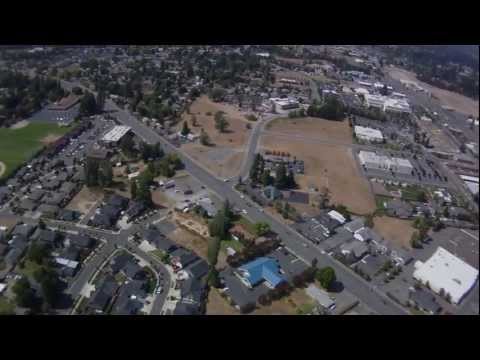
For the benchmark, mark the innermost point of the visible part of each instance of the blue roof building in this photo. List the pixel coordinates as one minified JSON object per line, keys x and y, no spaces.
{"x":259,"y":270}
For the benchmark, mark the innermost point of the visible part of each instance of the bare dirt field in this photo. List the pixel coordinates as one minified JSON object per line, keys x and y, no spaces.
{"x":224,"y":158}
{"x":438,"y":139}
{"x":217,"y":305}
{"x":50,"y":138}
{"x":20,"y":124}
{"x":84,"y":200}
{"x":332,"y":166}
{"x":313,"y":128}
{"x":3,"y":168}
{"x":395,"y":230}
{"x":195,"y":243}
{"x":285,"y":306}
{"x":460,"y":103}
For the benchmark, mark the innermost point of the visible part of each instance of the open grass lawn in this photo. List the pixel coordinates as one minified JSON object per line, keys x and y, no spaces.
{"x":19,"y":145}
{"x":6,"y":306}
{"x":235,"y":245}
{"x":249,"y":226}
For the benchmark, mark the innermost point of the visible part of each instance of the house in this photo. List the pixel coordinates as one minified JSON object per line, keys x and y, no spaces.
{"x":70,"y":253}
{"x":53,"y":184}
{"x":36,"y":195}
{"x":102,"y":220}
{"x":371,"y":264}
{"x":354,"y":249}
{"x":181,"y":258}
{"x":117,"y":201}
{"x":366,"y":234}
{"x":156,"y":238}
{"x":424,"y":301}
{"x":326,"y":223}
{"x":263,"y":269}
{"x":27,"y":205}
{"x":399,"y":208}
{"x":272,"y":193}
{"x":119,"y":262}
{"x":185,"y":309}
{"x":4,"y":194}
{"x":48,"y":211}
{"x":68,"y":188}
{"x":68,"y":215}
{"x":104,"y":292}
{"x":131,"y":269}
{"x":12,"y":257}
{"x":298,"y":197}
{"x":198,"y":269}
{"x":81,"y":241}
{"x":135,"y":209}
{"x":320,"y":296}
{"x":24,"y":230}
{"x":45,"y":236}
{"x":335,"y":215}
{"x":355,"y":225}
{"x":56,"y":198}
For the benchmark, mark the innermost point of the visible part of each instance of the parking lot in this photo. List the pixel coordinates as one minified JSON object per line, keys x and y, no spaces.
{"x":56,"y":116}
{"x":425,"y":171}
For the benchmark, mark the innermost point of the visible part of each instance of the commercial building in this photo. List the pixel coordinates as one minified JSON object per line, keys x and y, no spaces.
{"x":387,"y":104}
{"x":446,"y":274}
{"x":284,"y":104}
{"x":371,"y":160}
{"x":368,"y":134}
{"x":375,"y":101}
{"x":263,"y":269}
{"x":115,"y":134}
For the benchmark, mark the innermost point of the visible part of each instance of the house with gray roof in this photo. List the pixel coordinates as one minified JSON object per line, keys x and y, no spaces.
{"x":49,"y":211}
{"x":24,"y":230}
{"x":399,"y":208}
{"x":355,"y":225}
{"x":198,"y":269}
{"x":425,"y":301}
{"x":354,"y":250}
{"x":27,"y":205}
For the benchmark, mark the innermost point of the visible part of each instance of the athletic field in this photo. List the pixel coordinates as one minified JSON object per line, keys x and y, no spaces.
{"x":19,"y":145}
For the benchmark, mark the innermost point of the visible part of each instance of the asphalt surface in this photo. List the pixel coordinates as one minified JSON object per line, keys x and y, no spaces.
{"x":295,"y":242}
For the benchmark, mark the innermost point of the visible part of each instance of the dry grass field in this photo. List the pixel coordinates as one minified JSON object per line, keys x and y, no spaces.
{"x":84,"y":200}
{"x":460,"y":103}
{"x":396,"y":231}
{"x":225,"y":157}
{"x":332,"y":166}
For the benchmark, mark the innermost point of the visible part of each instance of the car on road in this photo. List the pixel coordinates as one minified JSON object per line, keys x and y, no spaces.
{"x":159,"y":290}
{"x":242,"y":196}
{"x":226,"y":180}
{"x":244,"y":212}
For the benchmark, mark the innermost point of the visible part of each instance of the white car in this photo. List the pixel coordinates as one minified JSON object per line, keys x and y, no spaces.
{"x":242,"y":196}
{"x":226,"y":180}
{"x":244,"y":212}
{"x":159,"y":290}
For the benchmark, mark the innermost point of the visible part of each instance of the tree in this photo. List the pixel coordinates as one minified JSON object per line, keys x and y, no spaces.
{"x":105,"y":175}
{"x":264,"y":299}
{"x":213,"y":279}
{"x":185,"y":129}
{"x":204,"y":138}
{"x":127,"y":145}
{"x":290,"y":181}
{"x":100,"y":101}
{"x":37,"y":252}
{"x":281,"y":176}
{"x":24,"y":294}
{"x":266,"y":178}
{"x":221,"y":123}
{"x":213,"y":250}
{"x":194,"y":121}
{"x":415,"y":240}
{"x":133,"y":189}
{"x":88,"y":105}
{"x":326,"y":277}
{"x":262,"y":228}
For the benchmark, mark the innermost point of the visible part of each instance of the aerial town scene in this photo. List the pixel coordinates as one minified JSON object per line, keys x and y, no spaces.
{"x":239,"y":180}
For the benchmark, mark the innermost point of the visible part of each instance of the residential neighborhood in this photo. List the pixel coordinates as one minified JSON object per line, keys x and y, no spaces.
{"x":237,"y":180}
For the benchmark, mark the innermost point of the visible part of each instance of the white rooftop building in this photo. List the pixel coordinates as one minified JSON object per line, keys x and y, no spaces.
{"x":446,"y":271}
{"x":116,"y":133}
{"x":335,"y":215}
{"x":381,"y":162}
{"x":368,"y":134}
{"x":362,"y":91}
{"x":284,"y":104}
{"x":376,"y":101}
{"x":397,"y":105}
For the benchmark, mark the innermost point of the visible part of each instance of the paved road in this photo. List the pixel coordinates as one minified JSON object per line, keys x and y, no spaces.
{"x":295,"y":242}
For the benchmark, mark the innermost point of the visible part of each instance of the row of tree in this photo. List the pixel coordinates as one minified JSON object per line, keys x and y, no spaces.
{"x":283,"y":179}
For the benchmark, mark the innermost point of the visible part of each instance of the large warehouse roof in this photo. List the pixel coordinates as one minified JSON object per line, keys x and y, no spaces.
{"x":446,"y":271}
{"x":116,"y":133}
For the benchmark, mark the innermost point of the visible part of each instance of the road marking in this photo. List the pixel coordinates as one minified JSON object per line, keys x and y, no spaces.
{"x":471,"y":235}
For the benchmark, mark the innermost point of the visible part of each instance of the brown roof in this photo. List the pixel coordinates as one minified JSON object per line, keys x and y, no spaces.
{"x":64,"y":103}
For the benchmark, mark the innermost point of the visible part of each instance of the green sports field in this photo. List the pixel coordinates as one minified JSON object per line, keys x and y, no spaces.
{"x":19,"y":145}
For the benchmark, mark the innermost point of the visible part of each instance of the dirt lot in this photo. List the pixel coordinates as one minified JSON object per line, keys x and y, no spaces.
{"x":50,"y":138}
{"x":285,"y":306}
{"x":456,"y":101}
{"x":313,"y":128}
{"x":195,"y":243}
{"x":225,"y":157}
{"x":438,"y":139}
{"x":20,"y":124}
{"x":395,"y":230}
{"x":332,"y":166}
{"x":83,"y":201}
{"x":217,"y":305}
